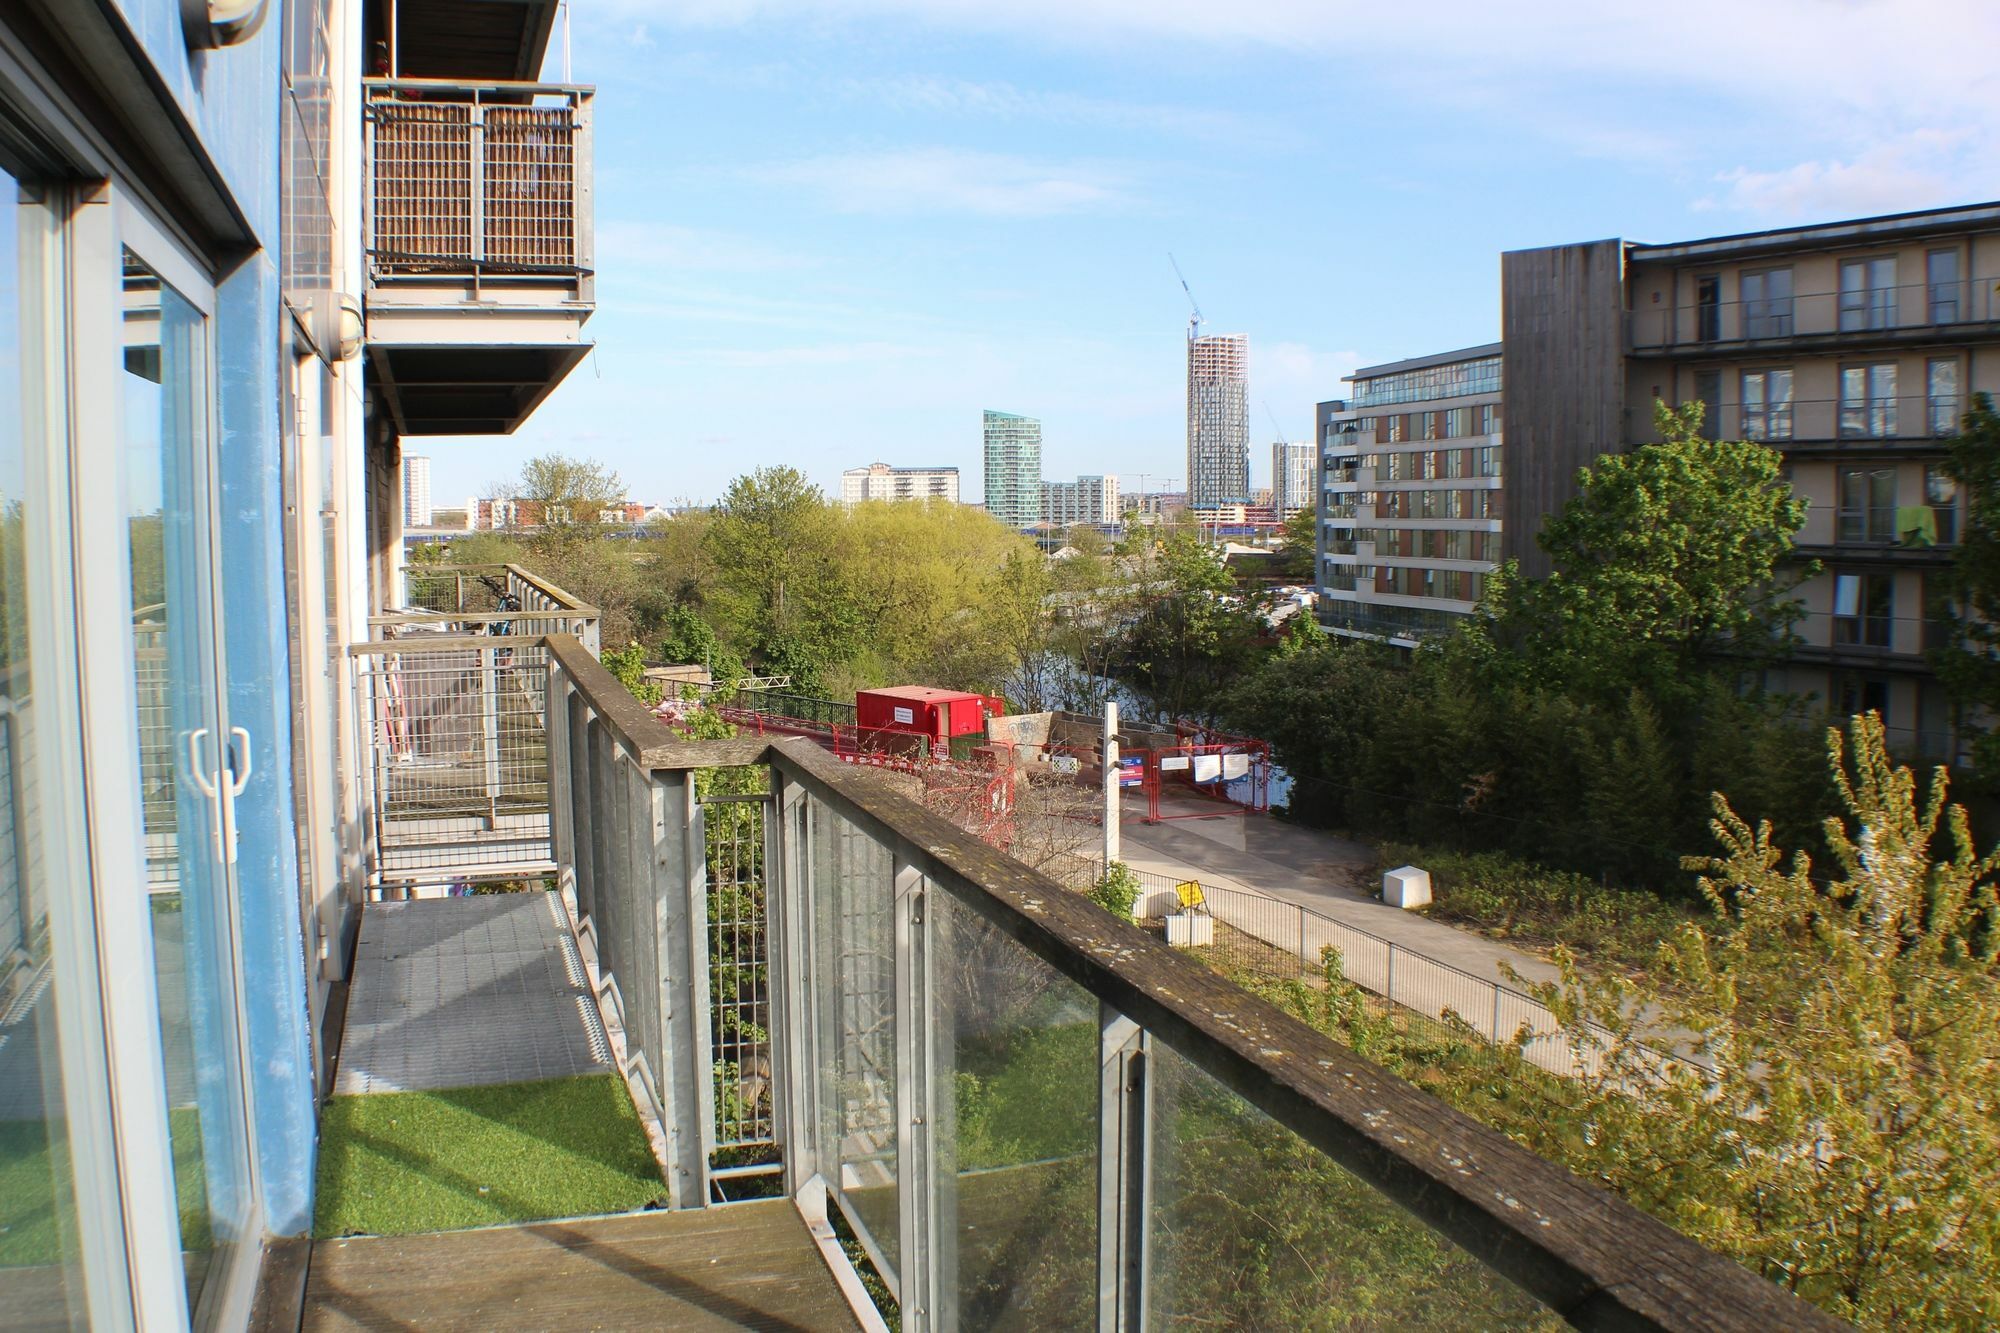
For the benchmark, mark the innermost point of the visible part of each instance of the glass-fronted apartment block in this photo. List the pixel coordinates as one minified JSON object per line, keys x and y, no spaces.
{"x":1410,"y":495}
{"x":1293,"y":465}
{"x":879,"y":481}
{"x":1088,"y":499}
{"x":1218,"y":420}
{"x":1851,"y":346}
{"x":1013,"y":476}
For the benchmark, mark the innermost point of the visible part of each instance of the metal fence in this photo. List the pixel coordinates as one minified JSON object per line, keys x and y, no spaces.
{"x":1281,"y":939}
{"x":485,"y":599}
{"x":459,"y":780}
{"x":735,"y":830}
{"x":1030,"y":1116}
{"x":481,"y":179}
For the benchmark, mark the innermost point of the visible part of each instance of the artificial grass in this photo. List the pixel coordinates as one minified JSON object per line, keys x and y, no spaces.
{"x":396,"y":1163}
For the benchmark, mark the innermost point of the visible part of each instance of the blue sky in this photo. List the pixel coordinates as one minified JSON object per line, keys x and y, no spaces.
{"x":832,"y":231}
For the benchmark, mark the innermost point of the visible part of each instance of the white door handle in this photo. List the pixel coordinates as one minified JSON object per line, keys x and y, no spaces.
{"x":211,"y":788}
{"x":232,"y":787}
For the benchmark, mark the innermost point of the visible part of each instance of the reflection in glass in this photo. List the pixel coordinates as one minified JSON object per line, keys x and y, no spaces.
{"x":1252,"y":1227}
{"x":40,"y":1284}
{"x":167,"y":500}
{"x":1015,"y":1087}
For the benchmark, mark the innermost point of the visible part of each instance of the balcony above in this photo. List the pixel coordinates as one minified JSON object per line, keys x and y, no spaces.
{"x":1907,"y":315}
{"x":479,"y":249}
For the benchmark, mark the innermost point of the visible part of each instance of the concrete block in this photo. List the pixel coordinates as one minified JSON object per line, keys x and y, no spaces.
{"x":1406,"y":887}
{"x":1187,"y":930}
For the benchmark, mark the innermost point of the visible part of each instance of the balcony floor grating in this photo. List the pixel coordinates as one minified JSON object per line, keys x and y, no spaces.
{"x":460,"y":992}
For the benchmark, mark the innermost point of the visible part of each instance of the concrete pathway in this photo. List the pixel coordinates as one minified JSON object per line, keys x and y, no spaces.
{"x":1315,"y":870}
{"x":460,"y":992}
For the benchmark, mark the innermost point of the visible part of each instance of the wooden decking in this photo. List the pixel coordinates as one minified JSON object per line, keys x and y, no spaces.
{"x":750,"y":1265}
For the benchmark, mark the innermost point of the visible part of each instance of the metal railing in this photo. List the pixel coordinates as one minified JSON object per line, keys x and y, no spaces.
{"x":478,"y":179}
{"x":1286,"y":940}
{"x":458,"y":780}
{"x":1033,"y":1115}
{"x":485,"y":599}
{"x":1904,"y":311}
{"x":1908,"y":422}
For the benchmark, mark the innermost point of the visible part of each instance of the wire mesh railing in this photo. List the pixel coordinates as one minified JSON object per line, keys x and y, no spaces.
{"x":459,"y":758}
{"x":484,"y":599}
{"x":478,"y":179}
{"x":735,"y":835}
{"x":1284,"y":940}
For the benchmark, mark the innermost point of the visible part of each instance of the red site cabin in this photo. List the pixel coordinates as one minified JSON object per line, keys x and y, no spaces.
{"x":919,"y":710}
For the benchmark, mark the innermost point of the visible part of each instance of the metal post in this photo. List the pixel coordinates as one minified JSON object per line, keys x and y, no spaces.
{"x":1124,"y":1175}
{"x":1303,"y":960}
{"x":489,"y":724}
{"x":1389,"y":988}
{"x":1111,"y":790}
{"x":920,"y":1191}
{"x":476,"y":138}
{"x":678,"y":902}
{"x":1496,"y":1015}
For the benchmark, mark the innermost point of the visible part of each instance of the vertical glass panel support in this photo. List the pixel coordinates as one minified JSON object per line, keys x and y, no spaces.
{"x":677,"y":891}
{"x":794,"y":1026}
{"x":926,"y":1194}
{"x":1124,"y":1195}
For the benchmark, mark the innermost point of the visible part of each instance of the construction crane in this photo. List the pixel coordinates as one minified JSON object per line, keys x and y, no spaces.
{"x":1194,"y":320}
{"x":1282,"y":437}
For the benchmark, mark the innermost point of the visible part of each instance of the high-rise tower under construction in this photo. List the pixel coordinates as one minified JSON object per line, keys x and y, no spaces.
{"x":1218,"y":420}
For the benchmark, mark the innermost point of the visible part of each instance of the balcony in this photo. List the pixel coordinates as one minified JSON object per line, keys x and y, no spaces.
{"x":1913,"y":314}
{"x":1023,"y":1112}
{"x":478,"y":234}
{"x":1908,"y":425}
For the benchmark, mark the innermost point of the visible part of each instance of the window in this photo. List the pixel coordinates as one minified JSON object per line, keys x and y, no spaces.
{"x":1396,"y":432}
{"x":1868,"y":401}
{"x":1708,"y":392}
{"x":1767,"y":404}
{"x":1767,"y":304}
{"x":1941,"y":286}
{"x":1941,"y":494}
{"x":1863,"y":610}
{"x":1457,"y":422}
{"x":1427,"y":422}
{"x":1941,"y":395}
{"x":1487,"y":461}
{"x":1867,"y":510}
{"x":1707,"y":308}
{"x":1853,"y":695}
{"x":1868,"y":294}
{"x":1489,"y":418}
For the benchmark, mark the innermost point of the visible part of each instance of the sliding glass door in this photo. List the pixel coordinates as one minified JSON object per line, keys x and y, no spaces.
{"x":190,"y":764}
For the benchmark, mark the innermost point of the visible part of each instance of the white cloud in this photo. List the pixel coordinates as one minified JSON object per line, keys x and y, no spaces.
{"x":1919,"y":170}
{"x":1006,"y":101}
{"x":950,"y":180}
{"x":1834,"y":77}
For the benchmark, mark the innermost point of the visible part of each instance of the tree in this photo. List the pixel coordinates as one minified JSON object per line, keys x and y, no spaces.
{"x":1968,"y":663}
{"x":567,"y":496}
{"x":1193,"y":639}
{"x":1669,"y":557}
{"x":1830,"y":1118}
{"x":1300,"y":534}
{"x":774,"y":588}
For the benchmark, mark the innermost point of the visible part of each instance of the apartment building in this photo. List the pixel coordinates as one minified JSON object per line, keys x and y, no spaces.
{"x":417,"y":508}
{"x":1292,"y":465}
{"x":1410,"y":494}
{"x":1088,"y":499}
{"x":1851,"y":346}
{"x":879,"y":481}
{"x":1013,"y":475}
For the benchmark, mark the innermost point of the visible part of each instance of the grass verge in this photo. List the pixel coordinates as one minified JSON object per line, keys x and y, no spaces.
{"x":396,"y":1163}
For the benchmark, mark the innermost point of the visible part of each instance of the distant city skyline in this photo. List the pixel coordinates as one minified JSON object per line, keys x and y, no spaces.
{"x":902,"y":211}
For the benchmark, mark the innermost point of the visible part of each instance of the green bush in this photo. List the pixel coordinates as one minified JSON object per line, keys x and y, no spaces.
{"x":1501,"y":895}
{"x":1116,"y":890}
